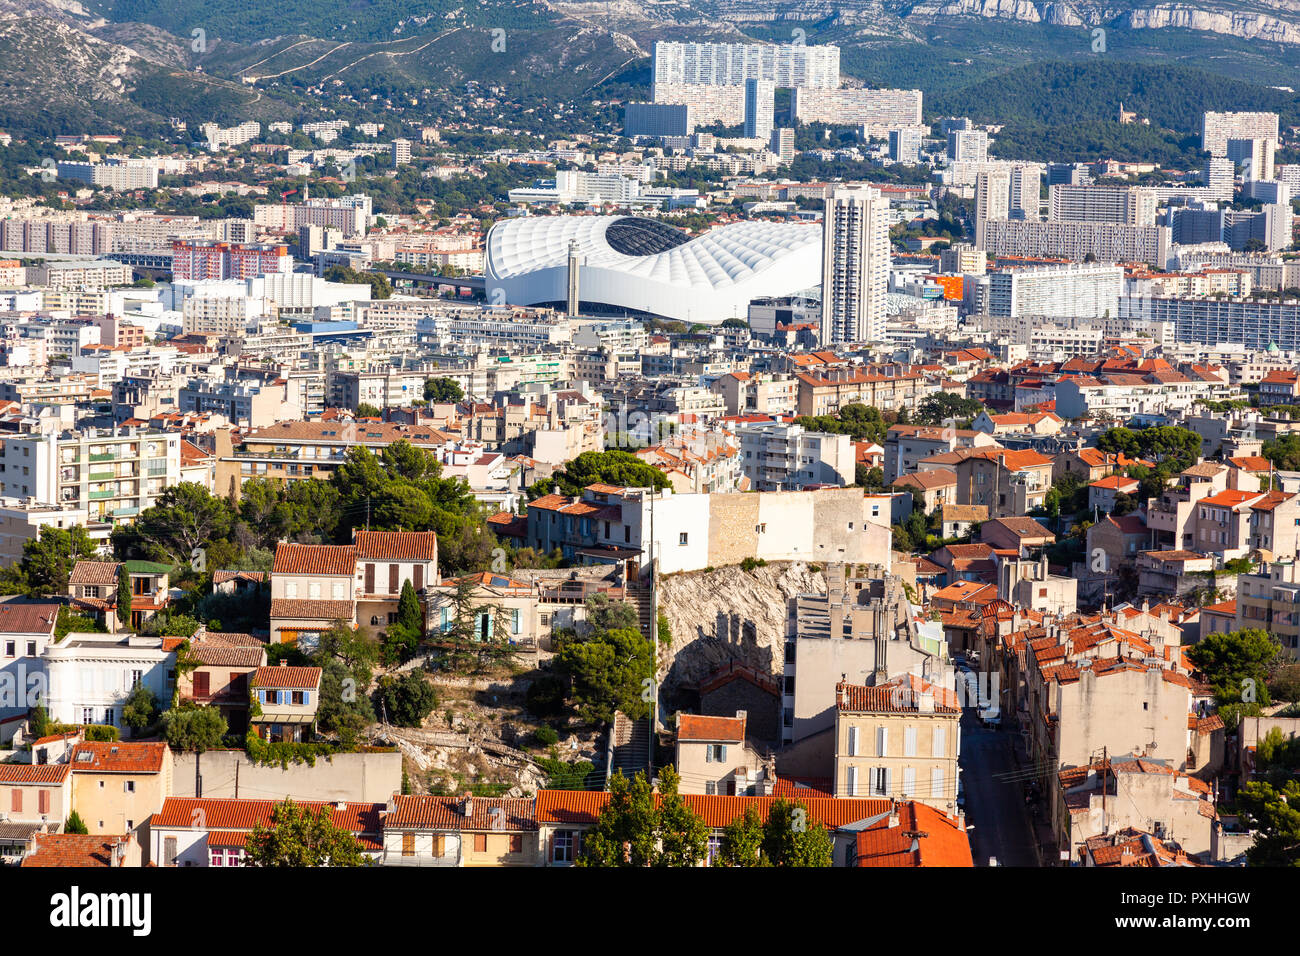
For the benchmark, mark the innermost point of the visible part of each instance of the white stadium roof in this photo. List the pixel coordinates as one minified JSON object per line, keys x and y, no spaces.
{"x":646,"y":266}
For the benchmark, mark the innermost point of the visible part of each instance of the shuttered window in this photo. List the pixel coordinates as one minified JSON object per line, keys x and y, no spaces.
{"x":370,"y":579}
{"x":882,"y":741}
{"x":909,"y":781}
{"x":937,"y":790}
{"x":852,"y":781}
{"x":408,"y":844}
{"x":909,"y":741}
{"x":853,"y":741}
{"x":418,"y":577}
{"x":17,"y":804}
{"x":394,"y":578}
{"x":940,"y":748}
{"x":480,"y":842}
{"x":201,"y":683}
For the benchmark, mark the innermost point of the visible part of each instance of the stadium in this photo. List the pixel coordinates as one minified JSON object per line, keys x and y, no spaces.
{"x":630,"y":265}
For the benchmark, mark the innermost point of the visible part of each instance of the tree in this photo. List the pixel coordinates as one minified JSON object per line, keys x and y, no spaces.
{"x":600,"y":467}
{"x":443,"y":390}
{"x":604,"y":614}
{"x":140,"y":709}
{"x":789,"y":839}
{"x":75,"y":824}
{"x":404,"y":635}
{"x":944,"y":407}
{"x":407,"y":699}
{"x":190,"y":727}
{"x":640,"y":828}
{"x":607,"y":671}
{"x":1236,"y":664}
{"x":298,"y":837}
{"x":123,"y":596}
{"x":1274,"y":812}
{"x":47,"y":562}
{"x":742,"y":839}
{"x":366,"y":410}
{"x":186,"y":519}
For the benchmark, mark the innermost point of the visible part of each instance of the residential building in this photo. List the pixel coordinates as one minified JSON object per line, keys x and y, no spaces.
{"x":117,"y":787}
{"x":855,"y":266}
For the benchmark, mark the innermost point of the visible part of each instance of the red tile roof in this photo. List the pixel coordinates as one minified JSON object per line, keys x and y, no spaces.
{"x":185,"y":813}
{"x":307,"y":610}
{"x":315,"y":559}
{"x":396,"y":545}
{"x":696,"y":727}
{"x":921,"y":836}
{"x":285,"y":676}
{"x":94,"y":572}
{"x":25,"y":773}
{"x":118,"y":758}
{"x":19,"y":618}
{"x":428,"y":812}
{"x":72,"y":849}
{"x":902,"y":695}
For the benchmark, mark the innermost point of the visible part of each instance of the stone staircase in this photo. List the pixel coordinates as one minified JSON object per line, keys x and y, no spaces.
{"x":629,"y":747}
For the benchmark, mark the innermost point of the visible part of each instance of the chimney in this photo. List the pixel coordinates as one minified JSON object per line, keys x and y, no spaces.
{"x":467,"y":804}
{"x":893,"y":814}
{"x":925,"y":703}
{"x":284,"y":663}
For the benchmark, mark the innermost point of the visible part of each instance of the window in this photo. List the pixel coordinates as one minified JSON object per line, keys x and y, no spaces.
{"x":129,"y":786}
{"x":169,"y":850}
{"x":909,"y":742}
{"x":853,"y":741}
{"x":17,"y":800}
{"x":11,"y":648}
{"x":852,"y":782}
{"x":516,"y":843}
{"x":31,"y":648}
{"x":291,"y":590}
{"x":683,"y":538}
{"x":936,"y":783}
{"x":299,"y":698}
{"x":480,"y":842}
{"x":87,"y":715}
{"x":882,"y":741}
{"x":940,"y":742}
{"x":710,"y":788}
{"x":909,"y":781}
{"x":408,"y":844}
{"x":563,"y":846}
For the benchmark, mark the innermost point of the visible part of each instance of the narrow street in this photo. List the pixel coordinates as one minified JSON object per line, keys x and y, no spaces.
{"x":996,"y":816}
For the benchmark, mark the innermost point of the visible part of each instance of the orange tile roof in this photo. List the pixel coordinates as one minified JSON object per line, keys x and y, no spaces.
{"x":315,"y":559}
{"x":286,"y":676}
{"x":697,"y":727}
{"x":922,"y":837}
{"x":24,"y":773}
{"x":397,"y":545}
{"x":183,"y":813}
{"x":19,"y":618}
{"x":428,"y":812}
{"x":118,"y":757}
{"x":307,"y":610}
{"x":902,"y":695}
{"x":72,"y":849}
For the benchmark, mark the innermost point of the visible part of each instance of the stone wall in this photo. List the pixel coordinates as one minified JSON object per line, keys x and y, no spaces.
{"x":350,"y":778}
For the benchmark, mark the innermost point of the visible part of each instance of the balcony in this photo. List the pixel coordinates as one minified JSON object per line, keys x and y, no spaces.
{"x":100,"y":495}
{"x":106,"y":456}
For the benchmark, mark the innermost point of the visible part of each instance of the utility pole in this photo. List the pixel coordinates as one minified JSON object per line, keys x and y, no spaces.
{"x":236,"y":779}
{"x":1105,"y":764}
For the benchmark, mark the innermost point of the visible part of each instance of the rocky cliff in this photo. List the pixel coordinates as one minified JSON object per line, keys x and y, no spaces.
{"x":729,"y":614}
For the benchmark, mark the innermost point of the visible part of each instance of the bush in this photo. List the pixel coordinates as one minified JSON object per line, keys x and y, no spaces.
{"x":407,"y":699}
{"x":749,"y":564}
{"x":545,"y":696}
{"x":99,"y":733}
{"x":188,"y":727}
{"x":546,"y":736}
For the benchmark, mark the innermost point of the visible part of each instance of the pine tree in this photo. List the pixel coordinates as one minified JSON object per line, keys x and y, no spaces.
{"x":123,"y":595}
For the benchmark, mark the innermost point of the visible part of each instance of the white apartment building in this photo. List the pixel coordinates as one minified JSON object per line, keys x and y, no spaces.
{"x":1218,"y":128}
{"x":1129,"y":205}
{"x":1079,"y":290}
{"x":855,"y":266}
{"x":111,"y":474}
{"x":968,"y":146}
{"x":731,"y":64}
{"x":1107,"y":242}
{"x":877,"y":110}
{"x":778,"y":457}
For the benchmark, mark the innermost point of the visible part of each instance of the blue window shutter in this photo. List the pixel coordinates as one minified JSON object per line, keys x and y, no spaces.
{"x":446,"y":618}
{"x":708,"y":754}
{"x":306,"y":698}
{"x":722,"y":754}
{"x":279,"y":696}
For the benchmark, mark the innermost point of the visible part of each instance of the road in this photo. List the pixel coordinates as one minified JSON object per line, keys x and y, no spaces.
{"x":996,"y":817}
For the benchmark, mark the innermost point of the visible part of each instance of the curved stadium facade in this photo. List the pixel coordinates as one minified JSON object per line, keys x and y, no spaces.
{"x":637,"y":266}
